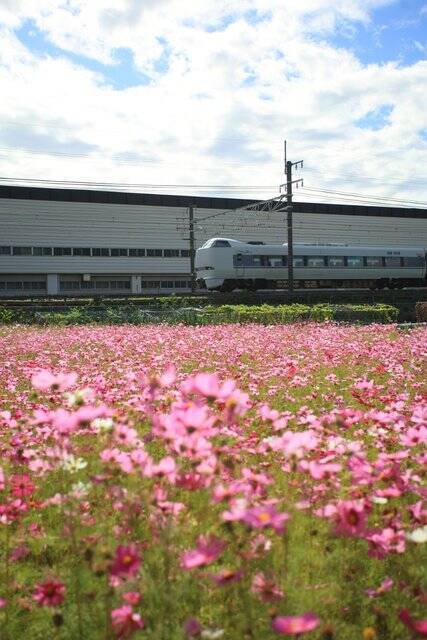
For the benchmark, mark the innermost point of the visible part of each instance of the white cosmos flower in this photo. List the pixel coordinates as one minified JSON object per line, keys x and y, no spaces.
{"x":212,"y":634}
{"x":379,"y":500}
{"x":72,"y":464}
{"x":102,"y":425}
{"x":418,"y":535}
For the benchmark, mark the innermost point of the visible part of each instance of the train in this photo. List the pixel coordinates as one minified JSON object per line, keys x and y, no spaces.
{"x":225,"y":264}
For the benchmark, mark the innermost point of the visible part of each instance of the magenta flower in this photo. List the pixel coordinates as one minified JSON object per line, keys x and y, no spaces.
{"x":266,"y":588}
{"x":266,"y":516}
{"x":295,"y":625}
{"x":385,"y":585}
{"x":126,"y":561}
{"x":44,"y":380}
{"x":419,"y":626}
{"x":125,"y":621}
{"x":226,"y":576}
{"x":351,"y":517}
{"x":49,"y":593}
{"x":208,"y":550}
{"x":22,"y":485}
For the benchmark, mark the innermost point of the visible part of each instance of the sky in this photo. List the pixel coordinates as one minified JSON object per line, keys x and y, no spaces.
{"x":197,"y":97}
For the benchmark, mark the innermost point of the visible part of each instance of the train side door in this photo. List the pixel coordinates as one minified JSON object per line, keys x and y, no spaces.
{"x":239,"y":265}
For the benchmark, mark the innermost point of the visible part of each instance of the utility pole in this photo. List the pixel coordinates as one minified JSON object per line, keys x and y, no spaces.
{"x":289,"y":225}
{"x":192,"y":251}
{"x":289,"y":209}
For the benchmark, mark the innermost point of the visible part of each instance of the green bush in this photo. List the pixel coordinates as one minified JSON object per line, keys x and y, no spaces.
{"x":227,"y":313}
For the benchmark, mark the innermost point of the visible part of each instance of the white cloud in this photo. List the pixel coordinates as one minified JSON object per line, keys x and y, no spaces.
{"x":216,"y":111}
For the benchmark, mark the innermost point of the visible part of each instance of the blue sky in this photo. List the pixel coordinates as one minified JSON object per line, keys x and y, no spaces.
{"x":397,"y":32}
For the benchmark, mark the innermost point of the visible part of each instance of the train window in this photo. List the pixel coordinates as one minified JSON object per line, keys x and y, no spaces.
{"x":336,"y":261}
{"x":275,"y":261}
{"x":185,"y":253}
{"x":221,"y":243}
{"x":298,"y":261}
{"x":392,"y":262}
{"x":154,"y":253}
{"x":81,"y":251}
{"x":315,"y":261}
{"x":5,"y":251}
{"x":61,"y":251}
{"x":416,"y":262}
{"x":171,"y":253}
{"x":22,"y":251}
{"x":42,"y":251}
{"x":373,"y":262}
{"x":355,"y":262}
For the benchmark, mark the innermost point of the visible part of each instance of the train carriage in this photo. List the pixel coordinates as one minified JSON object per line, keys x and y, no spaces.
{"x":225,"y":264}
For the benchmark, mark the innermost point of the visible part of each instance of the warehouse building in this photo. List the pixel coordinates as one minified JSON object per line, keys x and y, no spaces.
{"x":74,"y":242}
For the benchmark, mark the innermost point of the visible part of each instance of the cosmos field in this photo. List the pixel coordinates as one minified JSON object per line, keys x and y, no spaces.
{"x":236,"y":482}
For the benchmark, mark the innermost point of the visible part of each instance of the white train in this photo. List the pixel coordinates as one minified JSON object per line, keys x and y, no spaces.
{"x":223,"y":264}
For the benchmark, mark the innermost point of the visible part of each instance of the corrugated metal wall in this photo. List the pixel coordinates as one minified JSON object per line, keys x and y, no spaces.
{"x":79,"y":224}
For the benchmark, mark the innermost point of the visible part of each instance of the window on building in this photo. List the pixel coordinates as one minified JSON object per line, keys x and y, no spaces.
{"x":167,"y":284}
{"x":98,"y":252}
{"x":180,"y":284}
{"x":154,"y":253}
{"x":394,"y":262}
{"x":13,"y":286}
{"x":69,"y":285}
{"x":355,"y":262}
{"x":298,"y":261}
{"x":373,"y":262}
{"x":185,"y":253}
{"x":102,"y":284}
{"x":22,"y":251}
{"x":5,"y":251}
{"x":150,"y":284}
{"x":119,"y":253}
{"x":62,"y":251}
{"x":314,"y":262}
{"x":120,"y":284}
{"x":171,"y":253}
{"x":336,"y":261}
{"x":81,"y":251}
{"x":84,"y":284}
{"x":414,"y":263}
{"x":136,"y":253}
{"x":42,"y":251}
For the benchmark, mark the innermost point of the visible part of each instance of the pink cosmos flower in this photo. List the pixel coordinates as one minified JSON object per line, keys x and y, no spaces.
{"x":22,"y":485}
{"x":3,"y":603}
{"x":126,"y":561}
{"x":49,"y":593}
{"x":44,"y":380}
{"x":419,"y":626}
{"x":131,"y":597}
{"x":226,"y":576}
{"x":266,"y":588}
{"x":295,"y":625}
{"x":125,"y":621}
{"x":385,"y":585}
{"x":192,"y":628}
{"x":351,"y":517}
{"x":266,"y":516}
{"x":208,"y":550}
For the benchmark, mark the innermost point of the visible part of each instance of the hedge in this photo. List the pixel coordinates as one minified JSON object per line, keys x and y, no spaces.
{"x":243,"y":314}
